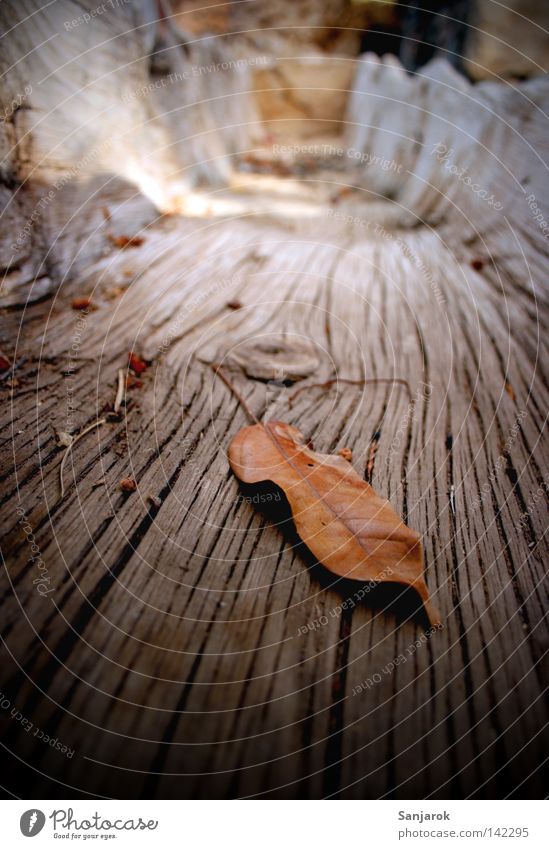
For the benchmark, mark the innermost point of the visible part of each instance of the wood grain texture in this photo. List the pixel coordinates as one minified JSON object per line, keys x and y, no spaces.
{"x":171,"y":655}
{"x":188,"y":646}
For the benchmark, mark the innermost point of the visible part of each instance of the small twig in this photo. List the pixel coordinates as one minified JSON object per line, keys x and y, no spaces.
{"x":120,"y":392}
{"x":217,"y":369}
{"x":337,"y":380}
{"x":453,"y":499}
{"x":12,"y":368}
{"x":6,"y":358}
{"x":76,"y":439}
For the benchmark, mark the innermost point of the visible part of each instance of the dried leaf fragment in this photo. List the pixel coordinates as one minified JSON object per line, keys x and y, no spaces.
{"x":128,"y":485}
{"x":510,"y":391}
{"x":137,"y":365}
{"x":64,"y":439}
{"x":81,"y":303}
{"x":351,"y":530}
{"x":126,"y":241}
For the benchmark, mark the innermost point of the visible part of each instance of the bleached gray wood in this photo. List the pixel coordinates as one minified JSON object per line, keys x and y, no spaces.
{"x":169,"y":655}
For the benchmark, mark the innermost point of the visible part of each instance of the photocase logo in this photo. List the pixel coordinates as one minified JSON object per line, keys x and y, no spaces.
{"x":32,"y":822}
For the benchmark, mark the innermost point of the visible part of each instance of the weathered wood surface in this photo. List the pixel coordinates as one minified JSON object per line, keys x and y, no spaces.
{"x":170,"y":654}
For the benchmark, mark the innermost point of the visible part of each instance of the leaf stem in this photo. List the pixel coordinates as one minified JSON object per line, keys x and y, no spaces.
{"x":218,"y":370}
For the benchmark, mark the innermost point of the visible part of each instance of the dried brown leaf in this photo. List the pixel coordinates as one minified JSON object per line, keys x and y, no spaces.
{"x":351,"y":530}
